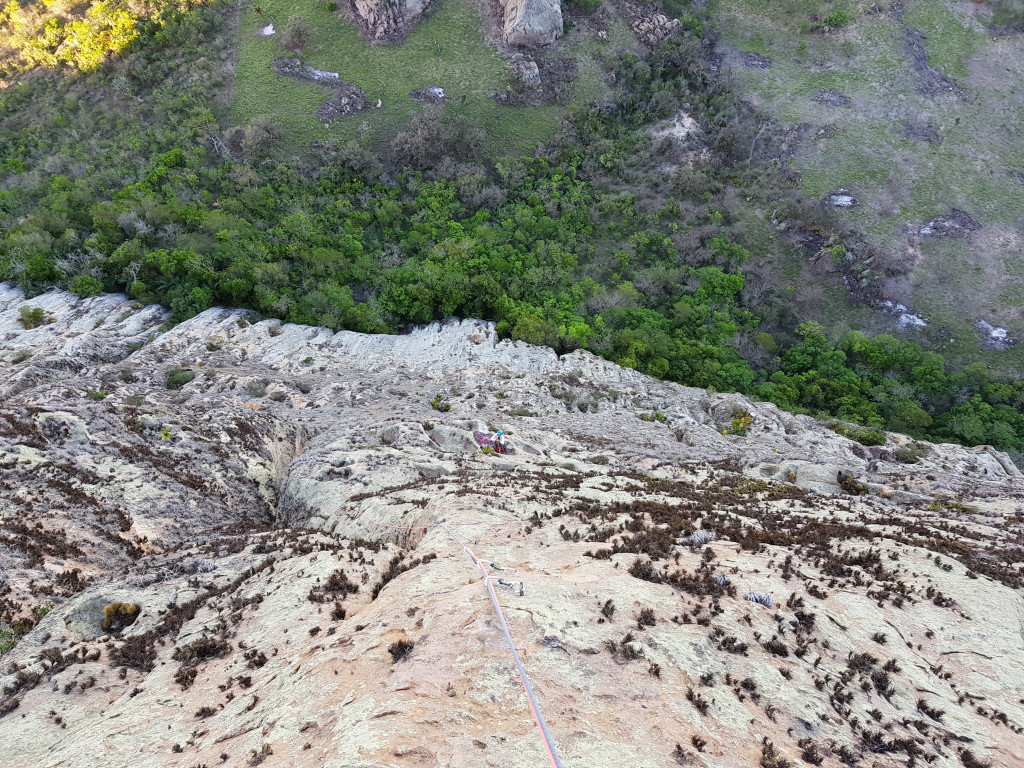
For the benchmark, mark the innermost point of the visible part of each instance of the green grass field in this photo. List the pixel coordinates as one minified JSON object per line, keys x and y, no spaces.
{"x":468,"y":68}
{"x":903,"y":182}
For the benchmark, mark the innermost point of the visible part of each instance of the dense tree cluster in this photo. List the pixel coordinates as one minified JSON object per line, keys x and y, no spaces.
{"x":564,"y":248}
{"x":53,"y":33}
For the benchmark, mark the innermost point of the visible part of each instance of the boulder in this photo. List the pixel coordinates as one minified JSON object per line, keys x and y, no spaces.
{"x":453,"y":440}
{"x":653,"y":30}
{"x":388,"y":20}
{"x":295,"y":68}
{"x":346,"y":100}
{"x":532,"y":22}
{"x":432,"y":94}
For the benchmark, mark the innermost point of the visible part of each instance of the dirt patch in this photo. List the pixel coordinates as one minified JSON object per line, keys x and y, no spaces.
{"x":921,"y":132}
{"x":933,"y":82}
{"x":755,"y":60}
{"x":955,"y":224}
{"x":832,"y":98}
{"x":538,"y":82}
{"x":811,"y":242}
{"x":344,"y":100}
{"x":432,"y":94}
{"x":790,"y":140}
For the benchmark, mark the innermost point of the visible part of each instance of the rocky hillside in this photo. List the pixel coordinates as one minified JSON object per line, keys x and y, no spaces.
{"x":225,"y":539}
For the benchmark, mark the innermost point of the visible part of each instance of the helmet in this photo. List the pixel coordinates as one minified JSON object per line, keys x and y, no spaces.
{"x":500,"y":432}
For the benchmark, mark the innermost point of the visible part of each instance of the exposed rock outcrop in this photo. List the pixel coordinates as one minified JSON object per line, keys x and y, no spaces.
{"x":295,"y":68}
{"x":654,"y":29}
{"x":532,"y":23}
{"x":388,"y":20}
{"x":346,"y":100}
{"x":276,"y":520}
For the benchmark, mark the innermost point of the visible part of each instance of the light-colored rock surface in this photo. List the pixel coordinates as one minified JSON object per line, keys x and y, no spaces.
{"x":532,"y":23}
{"x":388,"y":20}
{"x":654,"y":29}
{"x":223,"y":509}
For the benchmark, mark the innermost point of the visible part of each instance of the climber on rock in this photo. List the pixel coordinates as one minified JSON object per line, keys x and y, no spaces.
{"x":498,"y":441}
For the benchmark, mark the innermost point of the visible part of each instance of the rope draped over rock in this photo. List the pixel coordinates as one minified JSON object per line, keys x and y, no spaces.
{"x":549,"y":746}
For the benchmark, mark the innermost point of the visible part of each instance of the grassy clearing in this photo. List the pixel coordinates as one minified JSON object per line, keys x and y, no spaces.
{"x":953,"y":38}
{"x":468,"y":68}
{"x":903,"y":182}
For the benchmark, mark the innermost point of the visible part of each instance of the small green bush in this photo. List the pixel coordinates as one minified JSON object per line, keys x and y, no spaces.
{"x":85,"y":287}
{"x":400,"y":650}
{"x":178,"y":378}
{"x":440,"y":405}
{"x":257,"y":387}
{"x":11,"y":637}
{"x":656,"y":416}
{"x":906,"y":456}
{"x":97,"y":395}
{"x":31,"y":317}
{"x":837,"y":19}
{"x":117,"y":616}
{"x":862,"y":435}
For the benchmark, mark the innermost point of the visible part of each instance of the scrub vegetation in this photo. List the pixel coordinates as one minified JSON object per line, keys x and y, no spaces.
{"x":156,"y":174}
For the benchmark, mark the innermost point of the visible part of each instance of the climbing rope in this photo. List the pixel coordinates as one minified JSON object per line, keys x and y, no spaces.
{"x":538,"y":717}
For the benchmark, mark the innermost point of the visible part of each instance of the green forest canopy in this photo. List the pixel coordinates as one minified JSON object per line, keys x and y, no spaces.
{"x":573,"y":248}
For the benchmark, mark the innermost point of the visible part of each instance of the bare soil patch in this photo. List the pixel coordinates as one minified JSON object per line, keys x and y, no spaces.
{"x":755,"y":60}
{"x":933,"y":82}
{"x":921,"y":132}
{"x":955,"y":224}
{"x":539,"y":82}
{"x":430,"y":95}
{"x":832,"y":98}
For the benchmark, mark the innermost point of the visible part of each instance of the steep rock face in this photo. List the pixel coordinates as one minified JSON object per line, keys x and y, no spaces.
{"x":387,"y":20}
{"x":532,"y":22}
{"x":286,"y":532}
